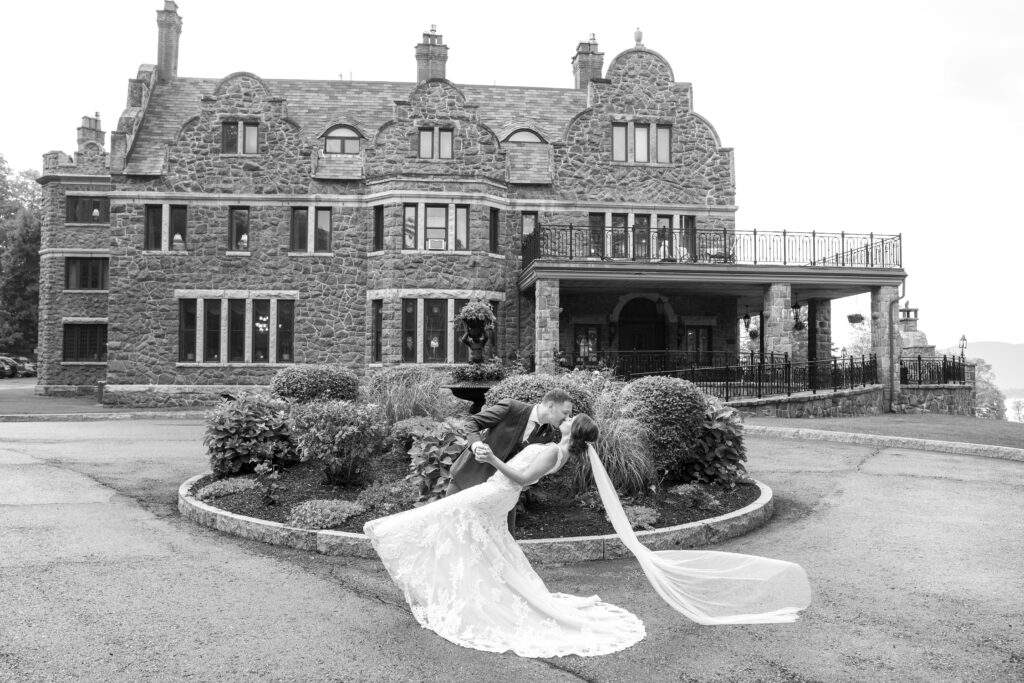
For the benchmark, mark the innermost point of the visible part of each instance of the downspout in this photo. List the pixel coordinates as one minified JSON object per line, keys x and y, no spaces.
{"x":893,"y":306}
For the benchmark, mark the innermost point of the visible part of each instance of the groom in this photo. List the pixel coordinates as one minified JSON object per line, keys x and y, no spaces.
{"x":511,"y":425}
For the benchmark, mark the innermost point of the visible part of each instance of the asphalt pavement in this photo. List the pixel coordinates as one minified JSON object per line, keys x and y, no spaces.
{"x":916,"y":559}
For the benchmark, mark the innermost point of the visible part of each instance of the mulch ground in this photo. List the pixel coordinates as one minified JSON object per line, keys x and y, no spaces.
{"x":547,"y":514}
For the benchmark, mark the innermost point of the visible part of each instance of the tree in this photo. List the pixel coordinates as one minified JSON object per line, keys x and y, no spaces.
{"x":20,"y":218}
{"x":1017,"y":406}
{"x":860,"y":339}
{"x":989,"y":402}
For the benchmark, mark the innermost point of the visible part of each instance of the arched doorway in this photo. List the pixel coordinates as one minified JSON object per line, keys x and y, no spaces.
{"x":641,"y":326}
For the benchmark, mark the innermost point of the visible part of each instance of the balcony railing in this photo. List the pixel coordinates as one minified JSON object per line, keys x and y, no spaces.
{"x":936,"y":370}
{"x":641,"y":244}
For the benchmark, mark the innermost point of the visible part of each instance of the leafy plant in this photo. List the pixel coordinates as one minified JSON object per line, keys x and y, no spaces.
{"x":388,"y":497}
{"x":477,"y":311}
{"x":641,"y":516}
{"x":432,"y":455}
{"x":406,"y":391}
{"x":345,"y":436}
{"x":720,"y":452}
{"x":323,"y":514}
{"x":673,"y":412}
{"x":491,"y":370}
{"x":307,"y":383}
{"x":243,"y":432}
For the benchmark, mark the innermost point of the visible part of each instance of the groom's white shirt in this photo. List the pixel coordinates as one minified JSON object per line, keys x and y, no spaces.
{"x":531,"y":424}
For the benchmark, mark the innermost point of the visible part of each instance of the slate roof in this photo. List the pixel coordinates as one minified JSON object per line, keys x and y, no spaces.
{"x":315,"y":104}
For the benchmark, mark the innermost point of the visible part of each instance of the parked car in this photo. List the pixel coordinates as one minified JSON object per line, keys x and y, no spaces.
{"x":28,"y":368}
{"x":8,"y":368}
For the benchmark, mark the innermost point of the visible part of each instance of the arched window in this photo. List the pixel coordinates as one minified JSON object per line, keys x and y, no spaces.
{"x":341,"y":140}
{"x":524,"y":135}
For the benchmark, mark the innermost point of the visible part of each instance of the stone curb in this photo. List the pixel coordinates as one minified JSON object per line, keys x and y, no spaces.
{"x":957,"y":448}
{"x":94,"y":417}
{"x":539,"y":551}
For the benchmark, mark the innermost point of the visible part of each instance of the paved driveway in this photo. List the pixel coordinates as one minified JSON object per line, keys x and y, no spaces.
{"x":916,"y":560}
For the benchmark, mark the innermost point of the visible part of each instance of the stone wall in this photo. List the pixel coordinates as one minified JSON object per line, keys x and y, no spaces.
{"x":844,"y":403}
{"x":947,"y":399}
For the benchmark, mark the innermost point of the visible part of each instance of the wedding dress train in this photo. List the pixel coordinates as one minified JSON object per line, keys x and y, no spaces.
{"x":466,"y":578}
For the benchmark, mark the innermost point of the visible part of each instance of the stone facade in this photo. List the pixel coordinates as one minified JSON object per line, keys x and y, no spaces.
{"x":370,"y":210}
{"x":845,"y":403}
{"x":946,"y":399}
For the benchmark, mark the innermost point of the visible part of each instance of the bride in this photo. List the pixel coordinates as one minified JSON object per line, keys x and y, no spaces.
{"x":466,"y":578}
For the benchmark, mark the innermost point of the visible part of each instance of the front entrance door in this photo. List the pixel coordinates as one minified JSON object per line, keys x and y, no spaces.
{"x":641,"y":328}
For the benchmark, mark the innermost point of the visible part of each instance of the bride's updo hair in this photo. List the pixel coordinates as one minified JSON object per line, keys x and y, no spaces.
{"x":584,"y":429}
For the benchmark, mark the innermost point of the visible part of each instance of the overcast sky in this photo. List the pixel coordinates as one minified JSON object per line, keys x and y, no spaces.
{"x":890,"y":117}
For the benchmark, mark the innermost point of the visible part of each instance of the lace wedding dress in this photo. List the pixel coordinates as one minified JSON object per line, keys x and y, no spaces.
{"x":466,"y":579}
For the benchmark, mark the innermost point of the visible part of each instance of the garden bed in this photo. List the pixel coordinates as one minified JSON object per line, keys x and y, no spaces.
{"x":548,"y":513}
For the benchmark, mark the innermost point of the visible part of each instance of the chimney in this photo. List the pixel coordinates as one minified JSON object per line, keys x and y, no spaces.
{"x":91,"y":131}
{"x":169,"y":23}
{"x":587,"y":63}
{"x":431,"y":56}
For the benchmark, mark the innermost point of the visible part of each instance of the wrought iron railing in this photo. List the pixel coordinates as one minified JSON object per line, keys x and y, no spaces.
{"x":629,"y":363}
{"x":753,"y":247}
{"x":936,"y":370}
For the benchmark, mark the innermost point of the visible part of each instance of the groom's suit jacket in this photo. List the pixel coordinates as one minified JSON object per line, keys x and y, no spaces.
{"x":505,"y":423}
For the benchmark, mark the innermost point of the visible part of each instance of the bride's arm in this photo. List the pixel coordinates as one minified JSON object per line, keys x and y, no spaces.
{"x":537,"y":469}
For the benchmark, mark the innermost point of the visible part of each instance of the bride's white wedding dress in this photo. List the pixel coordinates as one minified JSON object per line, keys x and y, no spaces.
{"x":466,"y":579}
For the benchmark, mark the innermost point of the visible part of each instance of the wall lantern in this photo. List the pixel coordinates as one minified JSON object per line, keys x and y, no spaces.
{"x":963,"y":345}
{"x":659,"y":306}
{"x":746,"y":320}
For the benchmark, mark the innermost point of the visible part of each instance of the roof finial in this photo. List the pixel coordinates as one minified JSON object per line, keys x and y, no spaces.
{"x":638,"y":36}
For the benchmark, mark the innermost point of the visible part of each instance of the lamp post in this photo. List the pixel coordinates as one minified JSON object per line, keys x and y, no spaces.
{"x":963,"y":346}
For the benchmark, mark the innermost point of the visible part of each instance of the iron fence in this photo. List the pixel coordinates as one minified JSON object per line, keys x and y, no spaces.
{"x":936,"y":370}
{"x":753,"y":247}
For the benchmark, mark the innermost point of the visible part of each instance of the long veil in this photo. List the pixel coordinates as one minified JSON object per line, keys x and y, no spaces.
{"x":708,"y":586}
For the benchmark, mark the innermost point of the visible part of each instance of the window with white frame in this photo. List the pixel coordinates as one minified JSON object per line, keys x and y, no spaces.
{"x":436,"y":227}
{"x":663,"y":144}
{"x":239,"y":137}
{"x":641,"y":143}
{"x":341,"y":140}
{"x":303,"y":234}
{"x":619,"y":141}
{"x":436,"y":143}
{"x":242,"y":330}
{"x":461,"y":227}
{"x":645,"y":149}
{"x":160,"y":234}
{"x":238,"y":229}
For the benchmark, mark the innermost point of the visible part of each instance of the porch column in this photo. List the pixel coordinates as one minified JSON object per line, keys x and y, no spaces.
{"x":819,"y":329}
{"x":778,"y":319}
{"x":546,"y":317}
{"x":886,"y":342}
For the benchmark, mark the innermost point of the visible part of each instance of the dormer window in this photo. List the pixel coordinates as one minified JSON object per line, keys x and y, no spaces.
{"x":239,"y":137}
{"x":435,"y":143}
{"x":524,"y":135}
{"x":341,"y":140}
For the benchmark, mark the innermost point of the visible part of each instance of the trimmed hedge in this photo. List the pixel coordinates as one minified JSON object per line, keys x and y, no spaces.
{"x":673,"y":411}
{"x":307,"y":383}
{"x":531,"y":388}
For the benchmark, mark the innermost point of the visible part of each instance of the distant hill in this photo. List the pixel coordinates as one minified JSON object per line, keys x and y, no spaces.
{"x":1007,"y":361}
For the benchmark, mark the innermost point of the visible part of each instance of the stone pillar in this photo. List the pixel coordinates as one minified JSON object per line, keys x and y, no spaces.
{"x":885,"y":341}
{"x":778,"y":320}
{"x":819,"y":329}
{"x":546,"y":316}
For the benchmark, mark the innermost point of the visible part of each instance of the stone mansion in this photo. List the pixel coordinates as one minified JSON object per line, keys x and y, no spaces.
{"x":238,"y":224}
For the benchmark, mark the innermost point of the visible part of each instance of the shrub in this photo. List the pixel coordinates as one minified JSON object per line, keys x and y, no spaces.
{"x":697,"y":497}
{"x":225,"y":487}
{"x":673,"y":412}
{"x":402,"y":434}
{"x":345,"y":436}
{"x":531,"y":388}
{"x":307,"y":383}
{"x":476,"y":312}
{"x":720,"y":452}
{"x":243,"y":432}
{"x":389,"y":497}
{"x":624,"y":449}
{"x":322,"y":514}
{"x":492,"y":370}
{"x":405,"y":391}
{"x":432,"y":455}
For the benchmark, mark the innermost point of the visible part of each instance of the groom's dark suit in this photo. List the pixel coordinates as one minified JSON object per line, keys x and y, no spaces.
{"x":505,"y":423}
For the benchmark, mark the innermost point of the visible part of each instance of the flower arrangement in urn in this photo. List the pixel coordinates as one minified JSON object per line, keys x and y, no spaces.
{"x":478,"y":318}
